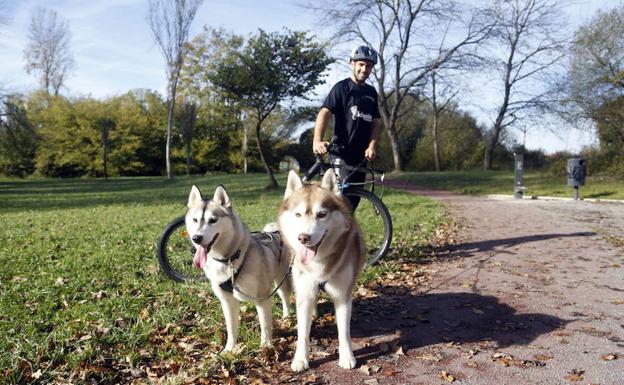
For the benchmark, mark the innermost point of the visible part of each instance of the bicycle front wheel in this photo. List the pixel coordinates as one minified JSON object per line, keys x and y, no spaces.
{"x":375,"y":222}
{"x":175,"y":253}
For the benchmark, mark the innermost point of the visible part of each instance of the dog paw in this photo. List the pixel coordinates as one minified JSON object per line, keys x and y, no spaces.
{"x":299,"y":365}
{"x":347,"y":361}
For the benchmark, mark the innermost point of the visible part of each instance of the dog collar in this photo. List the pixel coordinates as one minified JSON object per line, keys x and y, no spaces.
{"x":233,"y":257}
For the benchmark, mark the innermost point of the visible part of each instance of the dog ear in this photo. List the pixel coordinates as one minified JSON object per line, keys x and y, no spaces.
{"x":221,"y":197}
{"x":329,"y":182}
{"x":294,"y":183}
{"x":194,"y":197}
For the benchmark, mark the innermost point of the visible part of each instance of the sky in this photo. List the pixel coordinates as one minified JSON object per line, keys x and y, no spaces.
{"x":114,"y":50}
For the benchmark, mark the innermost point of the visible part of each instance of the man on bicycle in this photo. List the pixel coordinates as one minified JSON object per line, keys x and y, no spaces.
{"x":353,"y":104}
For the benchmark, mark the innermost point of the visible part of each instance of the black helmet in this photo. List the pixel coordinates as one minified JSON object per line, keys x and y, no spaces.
{"x":364,"y":53}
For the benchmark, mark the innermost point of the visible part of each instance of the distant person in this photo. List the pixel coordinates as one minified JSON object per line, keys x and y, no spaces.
{"x":353,"y":104}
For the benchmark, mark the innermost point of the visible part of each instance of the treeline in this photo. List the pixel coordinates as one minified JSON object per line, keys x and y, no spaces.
{"x":124,"y":135}
{"x":60,"y":137}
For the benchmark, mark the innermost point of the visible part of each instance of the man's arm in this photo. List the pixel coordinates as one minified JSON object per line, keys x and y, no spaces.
{"x":370,"y":153}
{"x":322,"y":120}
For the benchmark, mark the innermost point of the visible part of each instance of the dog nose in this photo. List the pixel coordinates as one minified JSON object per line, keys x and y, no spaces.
{"x":304,"y":238}
{"x":197,"y":238}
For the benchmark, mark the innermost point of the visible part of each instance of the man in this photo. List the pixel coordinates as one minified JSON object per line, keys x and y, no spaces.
{"x":353,"y":104}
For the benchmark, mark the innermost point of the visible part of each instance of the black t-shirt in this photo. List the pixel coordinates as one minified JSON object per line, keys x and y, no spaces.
{"x":354,"y":108}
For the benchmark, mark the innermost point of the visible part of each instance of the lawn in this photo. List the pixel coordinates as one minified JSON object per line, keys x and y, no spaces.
{"x":81,"y":296}
{"x":540,"y":184}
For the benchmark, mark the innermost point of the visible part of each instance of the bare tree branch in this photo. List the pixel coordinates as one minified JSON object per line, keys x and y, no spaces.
{"x":170,"y":22}
{"x":48,"y":53}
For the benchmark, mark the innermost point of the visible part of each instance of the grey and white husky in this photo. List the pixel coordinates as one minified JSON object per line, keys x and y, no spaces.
{"x":240,"y":265}
{"x":328,"y":248}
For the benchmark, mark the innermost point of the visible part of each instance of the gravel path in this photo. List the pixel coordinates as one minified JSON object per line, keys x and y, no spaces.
{"x":532,"y":292}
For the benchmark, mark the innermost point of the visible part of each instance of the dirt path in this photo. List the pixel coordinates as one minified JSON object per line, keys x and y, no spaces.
{"x":531,"y":293}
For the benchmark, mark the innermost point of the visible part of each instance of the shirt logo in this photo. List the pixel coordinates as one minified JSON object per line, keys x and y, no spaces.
{"x":355,"y":114}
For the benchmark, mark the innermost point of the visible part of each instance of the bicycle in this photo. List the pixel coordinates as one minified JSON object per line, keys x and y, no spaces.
{"x":175,"y":251}
{"x":371,"y":213}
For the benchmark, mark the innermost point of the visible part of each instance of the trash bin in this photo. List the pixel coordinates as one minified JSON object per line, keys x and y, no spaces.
{"x":577,"y":170}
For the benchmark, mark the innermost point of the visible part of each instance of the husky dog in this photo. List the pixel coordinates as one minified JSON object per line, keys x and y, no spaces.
{"x":328,"y":248}
{"x":241,"y":266}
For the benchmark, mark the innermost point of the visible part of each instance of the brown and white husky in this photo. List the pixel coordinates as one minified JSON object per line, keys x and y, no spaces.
{"x":318,"y":226}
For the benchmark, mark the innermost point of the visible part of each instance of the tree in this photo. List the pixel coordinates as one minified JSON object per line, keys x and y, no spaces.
{"x":106,"y":124}
{"x":48,"y":52}
{"x":596,"y":77}
{"x":217,"y":115}
{"x":410,"y":37}
{"x":18,"y":139}
{"x":440,"y":101}
{"x":527,"y":44}
{"x":271,"y":68}
{"x":170,"y":22}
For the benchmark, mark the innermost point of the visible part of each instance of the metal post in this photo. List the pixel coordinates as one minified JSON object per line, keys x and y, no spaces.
{"x":576,"y":193}
{"x":518,"y":172}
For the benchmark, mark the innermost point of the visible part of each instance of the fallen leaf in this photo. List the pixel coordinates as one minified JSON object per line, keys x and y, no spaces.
{"x":430,"y":357}
{"x":365,"y":369}
{"x":575,"y":375}
{"x":609,"y":357}
{"x":446,"y":376}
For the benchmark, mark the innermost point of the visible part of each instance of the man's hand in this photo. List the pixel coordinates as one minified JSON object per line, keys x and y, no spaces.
{"x":319,"y":147}
{"x":370,"y":153}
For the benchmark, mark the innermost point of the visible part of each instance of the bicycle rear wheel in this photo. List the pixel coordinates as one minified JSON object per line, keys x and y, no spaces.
{"x":175,"y":253}
{"x":375,"y":222}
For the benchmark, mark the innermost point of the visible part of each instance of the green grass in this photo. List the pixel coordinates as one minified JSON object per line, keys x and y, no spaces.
{"x":502,"y":182}
{"x":81,"y":294}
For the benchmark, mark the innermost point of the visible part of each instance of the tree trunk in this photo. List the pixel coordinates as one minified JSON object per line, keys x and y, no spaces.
{"x":272,"y":180}
{"x":188,"y":158}
{"x":169,"y":135}
{"x":436,"y":147}
{"x":244,"y":149}
{"x":173,"y":85}
{"x":491,"y":143}
{"x":396,"y":148}
{"x":395,"y":145}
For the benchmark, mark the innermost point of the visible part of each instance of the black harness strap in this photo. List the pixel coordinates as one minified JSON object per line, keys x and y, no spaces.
{"x":227,"y":284}
{"x":234,"y":257}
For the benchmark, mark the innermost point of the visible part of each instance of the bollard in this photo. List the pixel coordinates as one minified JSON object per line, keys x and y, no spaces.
{"x":577,"y":170}
{"x":518,"y":171}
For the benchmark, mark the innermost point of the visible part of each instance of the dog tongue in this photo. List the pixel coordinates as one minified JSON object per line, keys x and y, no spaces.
{"x":200,"y":257}
{"x":306,"y":254}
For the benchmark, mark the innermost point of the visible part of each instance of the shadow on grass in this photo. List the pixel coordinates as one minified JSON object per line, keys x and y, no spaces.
{"x":52,"y":194}
{"x":412,"y":322}
{"x":604,"y":194}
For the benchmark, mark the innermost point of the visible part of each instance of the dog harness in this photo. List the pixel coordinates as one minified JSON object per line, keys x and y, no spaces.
{"x":265,"y":238}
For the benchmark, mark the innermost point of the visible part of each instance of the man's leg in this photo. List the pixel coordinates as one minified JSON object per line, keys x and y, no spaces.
{"x":357,"y":177}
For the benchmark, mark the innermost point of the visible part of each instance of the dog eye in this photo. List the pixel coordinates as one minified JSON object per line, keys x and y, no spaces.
{"x":321,"y":214}
{"x":195,"y":220}
{"x":212,"y":220}
{"x":298,"y":215}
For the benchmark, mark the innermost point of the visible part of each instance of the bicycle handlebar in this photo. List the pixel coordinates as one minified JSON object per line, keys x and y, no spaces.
{"x":333,"y":147}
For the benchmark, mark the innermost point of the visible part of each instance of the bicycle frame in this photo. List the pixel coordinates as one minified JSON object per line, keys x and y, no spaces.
{"x":320,"y":166}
